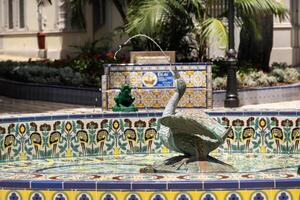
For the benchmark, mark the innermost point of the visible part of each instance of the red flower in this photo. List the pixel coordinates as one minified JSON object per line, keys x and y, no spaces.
{"x":110,"y":54}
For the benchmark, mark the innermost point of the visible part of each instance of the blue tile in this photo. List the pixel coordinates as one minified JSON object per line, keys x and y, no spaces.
{"x":130,"y":115}
{"x":288,"y":113}
{"x":152,"y":114}
{"x":47,"y":184}
{"x":87,"y":185}
{"x":43,"y":118}
{"x":20,"y":184}
{"x":158,"y":114}
{"x":94,"y":116}
{"x":215,"y":113}
{"x":251,"y":113}
{"x":110,"y":115}
{"x":221,"y":184}
{"x":185,"y":185}
{"x":256,"y":184}
{"x":149,"y":185}
{"x":288,"y":183}
{"x":81,"y":116}
{"x":113,"y":185}
{"x":269,"y":113}
{"x":142,"y":114}
{"x":59,"y":117}
{"x":27,"y":119}
{"x":234,"y":113}
{"x":10,"y":120}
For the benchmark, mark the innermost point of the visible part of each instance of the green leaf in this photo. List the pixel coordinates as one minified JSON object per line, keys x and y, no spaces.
{"x":213,"y":29}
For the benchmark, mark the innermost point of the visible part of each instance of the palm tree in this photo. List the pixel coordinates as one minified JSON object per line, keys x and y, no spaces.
{"x":171,"y":21}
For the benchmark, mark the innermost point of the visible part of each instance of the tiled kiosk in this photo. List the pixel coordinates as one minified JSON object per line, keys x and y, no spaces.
{"x":99,"y":156}
{"x":152,"y":84}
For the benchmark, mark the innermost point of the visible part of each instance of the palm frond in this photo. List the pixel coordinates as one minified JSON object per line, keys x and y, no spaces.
{"x":213,"y":29}
{"x":252,"y":7}
{"x":147,"y":16}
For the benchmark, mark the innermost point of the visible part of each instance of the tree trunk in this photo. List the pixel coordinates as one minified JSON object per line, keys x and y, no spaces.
{"x":256,"y":49}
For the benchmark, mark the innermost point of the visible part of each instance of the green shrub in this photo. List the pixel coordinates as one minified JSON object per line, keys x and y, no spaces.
{"x":219,"y":83}
{"x":32,"y":73}
{"x":286,"y":75}
{"x":280,"y":74}
{"x":291,"y":75}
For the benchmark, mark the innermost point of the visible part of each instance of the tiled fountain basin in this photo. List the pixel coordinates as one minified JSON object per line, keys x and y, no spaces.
{"x":269,"y":174}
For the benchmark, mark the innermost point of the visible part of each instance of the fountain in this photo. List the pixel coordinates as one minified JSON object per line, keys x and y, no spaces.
{"x":95,"y":156}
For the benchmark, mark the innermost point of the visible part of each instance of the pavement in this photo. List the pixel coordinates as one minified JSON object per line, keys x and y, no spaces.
{"x":4,"y":57}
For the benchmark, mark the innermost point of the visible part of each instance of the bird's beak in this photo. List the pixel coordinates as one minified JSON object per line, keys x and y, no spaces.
{"x":176,"y":75}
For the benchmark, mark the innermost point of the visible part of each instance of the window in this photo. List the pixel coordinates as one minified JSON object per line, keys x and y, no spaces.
{"x":21,"y":14}
{"x":14,"y":14}
{"x":10,"y":14}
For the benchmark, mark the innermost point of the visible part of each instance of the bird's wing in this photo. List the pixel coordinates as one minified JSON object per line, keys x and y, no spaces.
{"x":197,"y":124}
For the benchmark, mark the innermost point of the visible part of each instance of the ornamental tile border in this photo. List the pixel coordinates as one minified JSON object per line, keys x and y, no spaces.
{"x":290,"y":194}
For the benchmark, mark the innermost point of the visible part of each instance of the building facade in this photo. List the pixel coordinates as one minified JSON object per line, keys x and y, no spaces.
{"x":21,"y":20}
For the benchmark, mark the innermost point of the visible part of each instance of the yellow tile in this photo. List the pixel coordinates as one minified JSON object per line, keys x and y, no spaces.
{"x":8,"y":193}
{"x":25,"y":194}
{"x":176,"y":195}
{"x":258,"y":193}
{"x":246,"y":194}
{"x":196,"y":194}
{"x":115,"y":195}
{"x":60,"y":194}
{"x":36,"y":193}
{"x":228,"y":194}
{"x":295,"y":193}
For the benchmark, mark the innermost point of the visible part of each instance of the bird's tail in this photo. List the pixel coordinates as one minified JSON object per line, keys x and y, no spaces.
{"x":225,"y":134}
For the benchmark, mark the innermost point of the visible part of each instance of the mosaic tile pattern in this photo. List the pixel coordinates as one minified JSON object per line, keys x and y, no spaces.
{"x":291,"y":194}
{"x":76,"y":137}
{"x":152,"y":90}
{"x":22,"y":138}
{"x":90,"y":170}
{"x":278,"y":134}
{"x":28,"y":137}
{"x":157,"y":98}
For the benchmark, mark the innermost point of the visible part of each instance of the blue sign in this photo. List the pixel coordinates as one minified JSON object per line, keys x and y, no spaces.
{"x":157,"y":79}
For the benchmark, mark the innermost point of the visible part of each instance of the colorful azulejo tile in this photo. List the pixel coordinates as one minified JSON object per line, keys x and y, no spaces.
{"x":183,"y":196}
{"x":133,"y":196}
{"x":108,"y":196}
{"x":208,"y":196}
{"x":37,"y":196}
{"x":84,"y":196}
{"x":284,"y":195}
{"x":13,"y":196}
{"x":158,"y":196}
{"x":60,"y":196}
{"x":233,"y":196}
{"x":258,"y":196}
